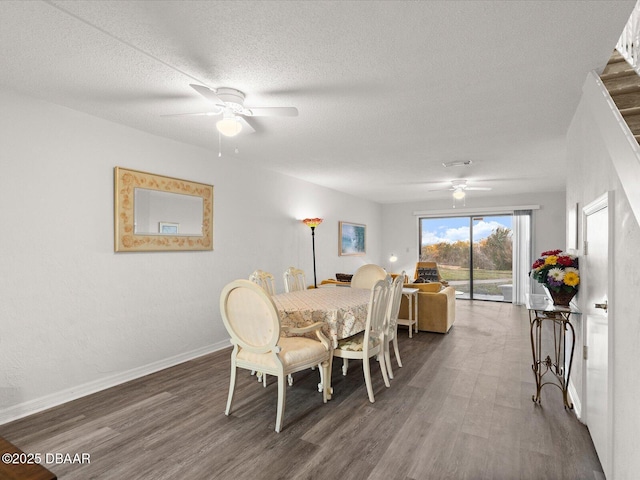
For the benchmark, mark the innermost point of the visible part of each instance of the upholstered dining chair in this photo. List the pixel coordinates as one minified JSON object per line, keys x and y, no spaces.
{"x":395,"y":298}
{"x":294,"y":280}
{"x":367,"y":275}
{"x":252,"y":320}
{"x":371,"y":342}
{"x":265,"y":280}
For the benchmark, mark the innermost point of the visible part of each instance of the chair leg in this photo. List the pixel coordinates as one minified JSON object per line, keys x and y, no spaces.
{"x":331,"y":359}
{"x":282,"y":390}
{"x":367,"y":378}
{"x":387,"y":360}
{"x":383,"y":367}
{"x":345,"y":366}
{"x":325,"y":380}
{"x":321,"y":384}
{"x":232,"y":386}
{"x":397,"y":352}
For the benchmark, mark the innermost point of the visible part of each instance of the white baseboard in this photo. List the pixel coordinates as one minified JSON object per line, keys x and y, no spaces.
{"x":30,"y":407}
{"x":575,"y":399}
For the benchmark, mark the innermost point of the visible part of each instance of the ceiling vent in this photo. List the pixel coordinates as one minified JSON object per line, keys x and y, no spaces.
{"x":461,"y":163}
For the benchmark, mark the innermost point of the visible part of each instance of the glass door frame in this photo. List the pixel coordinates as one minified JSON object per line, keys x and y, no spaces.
{"x":473,"y":218}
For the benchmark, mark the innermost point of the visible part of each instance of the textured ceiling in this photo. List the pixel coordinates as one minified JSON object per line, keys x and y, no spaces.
{"x":386,"y":91}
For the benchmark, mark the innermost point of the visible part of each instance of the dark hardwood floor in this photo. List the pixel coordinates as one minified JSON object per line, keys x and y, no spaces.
{"x":460,"y":408}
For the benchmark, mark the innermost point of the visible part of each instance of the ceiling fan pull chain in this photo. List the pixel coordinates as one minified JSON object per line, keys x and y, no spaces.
{"x":219,"y":145}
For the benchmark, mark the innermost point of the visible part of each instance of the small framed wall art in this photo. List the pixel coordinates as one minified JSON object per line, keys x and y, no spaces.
{"x":352,"y":239}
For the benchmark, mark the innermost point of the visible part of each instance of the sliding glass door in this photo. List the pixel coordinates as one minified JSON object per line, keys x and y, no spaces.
{"x":474,"y":254}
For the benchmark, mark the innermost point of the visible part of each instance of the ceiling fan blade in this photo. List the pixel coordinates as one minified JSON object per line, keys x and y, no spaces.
{"x":246,"y":127}
{"x":272,"y":111}
{"x":208,"y":114}
{"x":207,"y":93}
{"x":255,"y":124}
{"x":479,"y":188}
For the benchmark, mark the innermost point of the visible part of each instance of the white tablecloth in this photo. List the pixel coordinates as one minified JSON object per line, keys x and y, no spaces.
{"x":343,"y":310}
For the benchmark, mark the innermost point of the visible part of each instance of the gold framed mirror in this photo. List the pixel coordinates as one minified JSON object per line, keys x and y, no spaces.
{"x":157,"y":213}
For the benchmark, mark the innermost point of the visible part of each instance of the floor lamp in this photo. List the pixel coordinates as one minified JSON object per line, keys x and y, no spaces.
{"x":313,"y":223}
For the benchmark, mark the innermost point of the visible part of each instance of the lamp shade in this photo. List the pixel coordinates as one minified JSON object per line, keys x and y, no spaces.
{"x":229,"y":126}
{"x":312,"y":222}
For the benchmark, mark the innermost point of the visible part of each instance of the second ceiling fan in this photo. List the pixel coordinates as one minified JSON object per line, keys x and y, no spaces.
{"x":459,"y":189}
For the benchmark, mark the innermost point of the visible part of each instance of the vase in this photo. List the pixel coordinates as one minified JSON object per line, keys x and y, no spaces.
{"x":562,"y":298}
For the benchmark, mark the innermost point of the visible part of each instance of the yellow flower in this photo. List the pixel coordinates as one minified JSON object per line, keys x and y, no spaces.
{"x":551,"y":260}
{"x":571,"y":278}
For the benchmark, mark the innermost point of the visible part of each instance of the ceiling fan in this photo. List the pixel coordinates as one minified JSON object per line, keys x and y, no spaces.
{"x":229,"y":103}
{"x":459,"y":189}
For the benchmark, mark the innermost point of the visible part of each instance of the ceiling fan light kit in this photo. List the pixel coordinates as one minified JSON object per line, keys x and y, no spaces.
{"x":229,"y":126}
{"x":458,"y":193}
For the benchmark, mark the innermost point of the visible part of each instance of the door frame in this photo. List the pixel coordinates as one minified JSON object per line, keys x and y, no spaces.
{"x":606,"y":200}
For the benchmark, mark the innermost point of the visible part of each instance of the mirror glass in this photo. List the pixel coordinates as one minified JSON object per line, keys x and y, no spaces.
{"x":164,"y":213}
{"x":158,"y":213}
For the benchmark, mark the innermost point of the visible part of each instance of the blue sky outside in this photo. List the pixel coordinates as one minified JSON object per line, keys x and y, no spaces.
{"x":453,"y":229}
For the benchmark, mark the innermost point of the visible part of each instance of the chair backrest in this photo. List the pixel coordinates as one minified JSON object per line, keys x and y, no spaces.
{"x":265,"y":280}
{"x":402,"y":275}
{"x":294,"y":280}
{"x":376,"y":316}
{"x":367,"y":275}
{"x":250,"y":316}
{"x":394,"y":303}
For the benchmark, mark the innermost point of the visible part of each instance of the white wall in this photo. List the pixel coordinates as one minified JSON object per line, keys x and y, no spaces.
{"x":592,"y":173}
{"x":400,"y":235}
{"x":75,"y":317}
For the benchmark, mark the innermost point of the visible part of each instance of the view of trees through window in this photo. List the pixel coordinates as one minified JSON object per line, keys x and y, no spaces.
{"x":474,"y":254}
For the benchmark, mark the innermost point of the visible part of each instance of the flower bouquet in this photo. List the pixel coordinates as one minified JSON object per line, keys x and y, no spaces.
{"x":558,"y":272}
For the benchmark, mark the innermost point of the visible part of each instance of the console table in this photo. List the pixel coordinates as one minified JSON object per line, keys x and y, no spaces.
{"x":550,"y":369}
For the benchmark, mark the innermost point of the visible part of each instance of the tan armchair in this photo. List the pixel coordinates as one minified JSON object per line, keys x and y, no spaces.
{"x":436,"y":307}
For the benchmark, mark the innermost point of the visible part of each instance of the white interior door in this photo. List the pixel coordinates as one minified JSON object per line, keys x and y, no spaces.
{"x":595,"y":310}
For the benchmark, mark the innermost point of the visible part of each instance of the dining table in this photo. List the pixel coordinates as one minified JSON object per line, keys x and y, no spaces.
{"x":342,"y":310}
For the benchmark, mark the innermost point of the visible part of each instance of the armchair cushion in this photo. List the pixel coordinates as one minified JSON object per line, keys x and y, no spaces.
{"x":355,"y":343}
{"x":294,"y":351}
{"x":428,"y":274}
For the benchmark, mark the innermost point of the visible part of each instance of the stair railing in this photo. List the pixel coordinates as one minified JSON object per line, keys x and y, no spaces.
{"x":629,"y":42}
